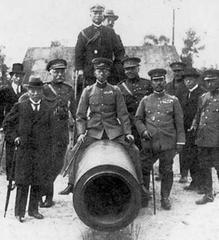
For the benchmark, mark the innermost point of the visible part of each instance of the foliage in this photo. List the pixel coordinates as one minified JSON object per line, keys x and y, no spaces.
{"x":55,"y":44}
{"x":152,"y":40}
{"x":191,"y":47}
{"x":3,"y":67}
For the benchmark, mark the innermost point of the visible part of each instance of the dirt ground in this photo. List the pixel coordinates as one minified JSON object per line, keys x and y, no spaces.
{"x":185,"y":220}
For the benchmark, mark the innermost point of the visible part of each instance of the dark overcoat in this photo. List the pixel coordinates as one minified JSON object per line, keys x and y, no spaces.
{"x":34,"y":155}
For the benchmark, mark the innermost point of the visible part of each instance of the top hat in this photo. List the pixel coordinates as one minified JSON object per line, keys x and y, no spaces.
{"x":102,"y":63}
{"x":157,"y":73}
{"x":110,"y":13}
{"x":56,"y":64}
{"x":17,"y":68}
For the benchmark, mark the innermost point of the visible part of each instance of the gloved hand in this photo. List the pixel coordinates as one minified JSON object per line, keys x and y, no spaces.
{"x":130,"y":138}
{"x":146,"y":135}
{"x":17,"y":141}
{"x":81,"y":138}
{"x":179,"y":147}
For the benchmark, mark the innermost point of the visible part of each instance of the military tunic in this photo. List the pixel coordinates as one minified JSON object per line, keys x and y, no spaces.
{"x":96,"y":42}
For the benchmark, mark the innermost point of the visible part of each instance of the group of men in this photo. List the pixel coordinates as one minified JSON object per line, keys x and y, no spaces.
{"x":151,"y":119}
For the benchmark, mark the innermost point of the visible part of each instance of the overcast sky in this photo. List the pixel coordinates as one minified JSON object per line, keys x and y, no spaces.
{"x":35,"y":23}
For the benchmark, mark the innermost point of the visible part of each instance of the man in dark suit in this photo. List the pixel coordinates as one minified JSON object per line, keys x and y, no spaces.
{"x":9,"y":95}
{"x":93,"y":42}
{"x":159,"y":121}
{"x":206,"y":125}
{"x":29,"y":126}
{"x":108,"y":118}
{"x":189,"y":102}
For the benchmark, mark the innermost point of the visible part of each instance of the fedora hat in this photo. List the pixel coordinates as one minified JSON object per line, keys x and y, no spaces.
{"x":34,"y":82}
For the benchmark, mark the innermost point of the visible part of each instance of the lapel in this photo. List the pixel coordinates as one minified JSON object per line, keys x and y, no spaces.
{"x":36,"y":116}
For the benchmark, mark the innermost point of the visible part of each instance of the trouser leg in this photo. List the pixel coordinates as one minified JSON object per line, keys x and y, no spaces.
{"x":34,"y":199}
{"x":183,"y":161}
{"x":21,"y":200}
{"x":207,"y":174}
{"x":50,"y":191}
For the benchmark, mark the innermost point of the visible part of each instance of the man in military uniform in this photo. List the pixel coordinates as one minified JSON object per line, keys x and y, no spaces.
{"x":189,"y":102}
{"x":177,"y":88}
{"x":9,"y":95}
{"x":61,"y":98}
{"x":134,"y":89}
{"x":95,"y":41}
{"x":206,"y":125}
{"x":108,"y":118}
{"x":159,"y":121}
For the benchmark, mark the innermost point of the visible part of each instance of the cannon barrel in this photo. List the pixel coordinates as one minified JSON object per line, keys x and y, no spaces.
{"x":107,"y":195}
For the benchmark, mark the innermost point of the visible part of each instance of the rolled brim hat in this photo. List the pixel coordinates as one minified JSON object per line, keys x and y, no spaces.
{"x":157,"y":73}
{"x":131,"y":62}
{"x":56,"y":64}
{"x":211,"y":74}
{"x":34,"y":82}
{"x":110,"y":13}
{"x":102,"y":63}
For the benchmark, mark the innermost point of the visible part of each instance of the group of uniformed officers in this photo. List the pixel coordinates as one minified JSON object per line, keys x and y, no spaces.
{"x":151,"y":119}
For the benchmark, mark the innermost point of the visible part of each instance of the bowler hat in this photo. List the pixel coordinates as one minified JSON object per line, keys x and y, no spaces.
{"x":211,"y":74}
{"x":157,"y":73}
{"x":17,"y":68}
{"x":102,"y":63}
{"x":190,"y":72}
{"x":56,"y":64}
{"x":175,"y":66}
{"x":131,"y":62}
{"x":110,"y":13}
{"x":34,"y":82}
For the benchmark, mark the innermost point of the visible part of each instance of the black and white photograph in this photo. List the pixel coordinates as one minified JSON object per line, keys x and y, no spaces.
{"x":109,"y":120}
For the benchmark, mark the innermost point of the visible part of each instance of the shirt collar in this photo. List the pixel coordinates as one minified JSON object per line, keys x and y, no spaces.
{"x":15,"y":87}
{"x":35,"y":103}
{"x":96,"y":25}
{"x":192,"y":89}
{"x":159,"y":94}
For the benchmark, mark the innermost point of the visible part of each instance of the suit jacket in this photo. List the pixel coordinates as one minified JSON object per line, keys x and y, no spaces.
{"x":207,"y":121}
{"x":7,"y":100}
{"x":96,"y":42}
{"x":107,"y":112}
{"x":34,"y":154}
{"x":161,"y":114}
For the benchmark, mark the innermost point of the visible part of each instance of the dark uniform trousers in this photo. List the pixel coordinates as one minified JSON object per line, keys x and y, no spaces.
{"x":21,"y":199}
{"x":130,"y":148}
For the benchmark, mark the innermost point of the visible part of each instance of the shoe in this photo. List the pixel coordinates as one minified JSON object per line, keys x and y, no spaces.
{"x":20,"y":219}
{"x":165,"y":203}
{"x":183,"y":180}
{"x":47,"y":204}
{"x":36,"y":215}
{"x":67,"y":190}
{"x":205,"y":199}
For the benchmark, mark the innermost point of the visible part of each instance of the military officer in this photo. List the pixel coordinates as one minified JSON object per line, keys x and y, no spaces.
{"x":96,"y":41}
{"x":133,"y":89}
{"x":206,"y":125}
{"x":9,"y":95}
{"x":108,"y":117}
{"x":61,"y":98}
{"x":189,"y":103}
{"x":159,"y":121}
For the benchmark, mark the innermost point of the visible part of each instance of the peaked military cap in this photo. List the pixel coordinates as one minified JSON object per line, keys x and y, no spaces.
{"x":131,"y":62}
{"x":34,"y":82}
{"x":157,"y":73}
{"x":97,"y":8}
{"x":177,"y":66}
{"x":110,"y":13}
{"x":17,"y":68}
{"x":102,"y":63}
{"x":190,"y":72}
{"x":211,"y":74}
{"x":56,"y":64}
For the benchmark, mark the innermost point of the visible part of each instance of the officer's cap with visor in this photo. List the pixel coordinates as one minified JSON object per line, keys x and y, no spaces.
{"x":102,"y":63}
{"x":212,"y":74}
{"x":130,"y":62}
{"x":97,"y":8}
{"x":157,"y":73}
{"x":56,"y":64}
{"x":177,"y":66}
{"x":190,"y":72}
